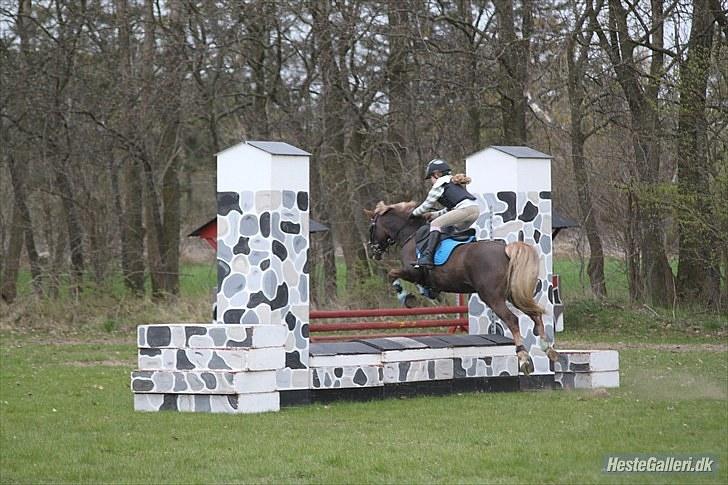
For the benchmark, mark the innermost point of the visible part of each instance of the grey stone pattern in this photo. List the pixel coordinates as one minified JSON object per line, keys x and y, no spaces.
{"x":418,"y":370}
{"x":202,"y":382}
{"x":586,"y":380}
{"x":586,"y":361}
{"x":208,"y":368}
{"x":413,"y":371}
{"x":207,"y":403}
{"x":503,"y":365}
{"x":202,"y":336}
{"x":262,"y":258}
{"x":587,"y":369}
{"x":193,"y":359}
{"x":236,"y":360}
{"x":346,"y":377}
{"x":518,"y":216}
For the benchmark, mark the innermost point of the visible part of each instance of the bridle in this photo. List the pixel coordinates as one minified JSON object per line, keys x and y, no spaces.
{"x":379,"y":248}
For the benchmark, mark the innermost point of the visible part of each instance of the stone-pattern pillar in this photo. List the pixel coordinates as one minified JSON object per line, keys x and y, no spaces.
{"x":514,"y":185}
{"x":262,"y":249}
{"x":258,"y":345}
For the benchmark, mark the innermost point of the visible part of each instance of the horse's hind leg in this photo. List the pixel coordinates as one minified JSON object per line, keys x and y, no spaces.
{"x":524,"y":360}
{"x":545,"y":343}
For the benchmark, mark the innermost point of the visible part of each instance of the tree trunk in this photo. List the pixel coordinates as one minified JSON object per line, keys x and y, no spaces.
{"x":162,"y":198}
{"x":128,"y":204}
{"x":11,"y":258}
{"x":634,"y":255}
{"x":398,"y":84}
{"x":74,"y":229}
{"x":576,"y":60}
{"x":19,"y":168}
{"x":595,"y":268}
{"x":332,"y":143}
{"x":645,"y":128}
{"x":171,"y":196}
{"x":472,"y":76}
{"x":18,"y":176}
{"x":513,"y":61}
{"x":152,"y":215}
{"x":698,"y":274}
{"x":259,"y":27}
{"x":171,"y":142}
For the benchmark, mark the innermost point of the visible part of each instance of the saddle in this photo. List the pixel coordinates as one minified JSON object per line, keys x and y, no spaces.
{"x":449,"y":240}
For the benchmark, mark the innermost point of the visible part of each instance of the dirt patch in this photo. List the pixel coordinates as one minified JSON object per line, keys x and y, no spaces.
{"x":671,"y":385}
{"x":566,"y":344}
{"x":65,"y":340}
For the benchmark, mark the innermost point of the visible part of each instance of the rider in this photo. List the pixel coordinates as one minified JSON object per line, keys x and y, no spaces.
{"x":460,"y":209}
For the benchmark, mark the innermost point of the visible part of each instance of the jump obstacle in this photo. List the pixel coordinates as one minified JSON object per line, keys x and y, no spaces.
{"x":260,"y":353}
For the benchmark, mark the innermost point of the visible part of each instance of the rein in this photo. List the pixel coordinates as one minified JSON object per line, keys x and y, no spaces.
{"x":381,"y":247}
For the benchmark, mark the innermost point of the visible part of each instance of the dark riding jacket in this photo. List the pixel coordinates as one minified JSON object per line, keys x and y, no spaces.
{"x":453,"y":195}
{"x":445,"y":193}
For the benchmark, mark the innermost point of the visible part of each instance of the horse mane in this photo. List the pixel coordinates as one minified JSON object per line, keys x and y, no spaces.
{"x":399,"y":207}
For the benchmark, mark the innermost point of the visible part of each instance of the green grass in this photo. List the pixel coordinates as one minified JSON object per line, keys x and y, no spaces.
{"x":615,"y":319}
{"x":109,"y":309}
{"x":66,"y":407}
{"x":196,"y":279}
{"x":574,"y":281}
{"x":66,"y":416}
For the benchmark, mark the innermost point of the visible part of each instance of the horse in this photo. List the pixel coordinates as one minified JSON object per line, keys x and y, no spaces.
{"x":496,"y":271}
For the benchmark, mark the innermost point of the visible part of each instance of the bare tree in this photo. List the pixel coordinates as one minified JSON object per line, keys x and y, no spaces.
{"x":698,"y":276}
{"x":617,"y":40}
{"x":577,"y":52}
{"x":513,"y":62}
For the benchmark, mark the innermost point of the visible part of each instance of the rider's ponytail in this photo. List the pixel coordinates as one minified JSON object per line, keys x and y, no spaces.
{"x":460,"y":179}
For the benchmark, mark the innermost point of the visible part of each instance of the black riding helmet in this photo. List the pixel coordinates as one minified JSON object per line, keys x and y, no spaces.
{"x":436,"y":165}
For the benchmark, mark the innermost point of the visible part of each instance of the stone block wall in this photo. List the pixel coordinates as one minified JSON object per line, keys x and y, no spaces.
{"x":212,"y":368}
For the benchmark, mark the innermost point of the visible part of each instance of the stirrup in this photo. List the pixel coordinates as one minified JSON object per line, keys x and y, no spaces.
{"x":424,"y":264}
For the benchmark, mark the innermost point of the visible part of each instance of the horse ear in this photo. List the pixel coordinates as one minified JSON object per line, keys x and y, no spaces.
{"x":368,"y":213}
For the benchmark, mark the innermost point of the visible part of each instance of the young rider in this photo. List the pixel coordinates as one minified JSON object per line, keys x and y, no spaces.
{"x":459,"y":207}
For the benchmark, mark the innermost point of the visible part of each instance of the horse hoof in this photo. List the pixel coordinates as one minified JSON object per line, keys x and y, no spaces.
{"x":527,"y":366}
{"x":410,"y":301}
{"x":552,"y":354}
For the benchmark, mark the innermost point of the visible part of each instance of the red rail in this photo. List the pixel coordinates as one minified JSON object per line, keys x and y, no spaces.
{"x":343,"y":326}
{"x":453,"y":324}
{"x":388,"y":312}
{"x":334,"y":338}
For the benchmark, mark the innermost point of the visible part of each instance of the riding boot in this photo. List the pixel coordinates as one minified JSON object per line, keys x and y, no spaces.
{"x":425,"y":259}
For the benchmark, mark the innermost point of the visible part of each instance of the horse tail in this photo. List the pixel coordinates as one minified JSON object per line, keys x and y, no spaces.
{"x":522,"y":276}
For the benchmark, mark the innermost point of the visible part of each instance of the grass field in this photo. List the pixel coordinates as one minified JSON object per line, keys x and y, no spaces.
{"x":67,"y":416}
{"x":66,"y":408}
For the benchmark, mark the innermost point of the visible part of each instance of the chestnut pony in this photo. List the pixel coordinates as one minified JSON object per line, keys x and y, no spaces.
{"x":496,"y":271}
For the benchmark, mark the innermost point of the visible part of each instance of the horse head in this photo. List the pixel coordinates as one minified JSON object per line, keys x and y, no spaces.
{"x":388,"y":224}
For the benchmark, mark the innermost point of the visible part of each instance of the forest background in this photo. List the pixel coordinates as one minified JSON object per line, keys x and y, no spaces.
{"x":111,"y":112}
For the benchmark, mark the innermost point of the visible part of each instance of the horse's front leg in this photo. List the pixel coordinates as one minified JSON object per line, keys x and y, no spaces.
{"x":405,"y":298}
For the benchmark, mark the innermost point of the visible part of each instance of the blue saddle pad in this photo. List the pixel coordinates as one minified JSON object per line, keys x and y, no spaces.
{"x":445,"y":249}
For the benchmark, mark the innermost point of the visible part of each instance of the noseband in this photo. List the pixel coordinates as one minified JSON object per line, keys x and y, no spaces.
{"x":379,"y":248}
